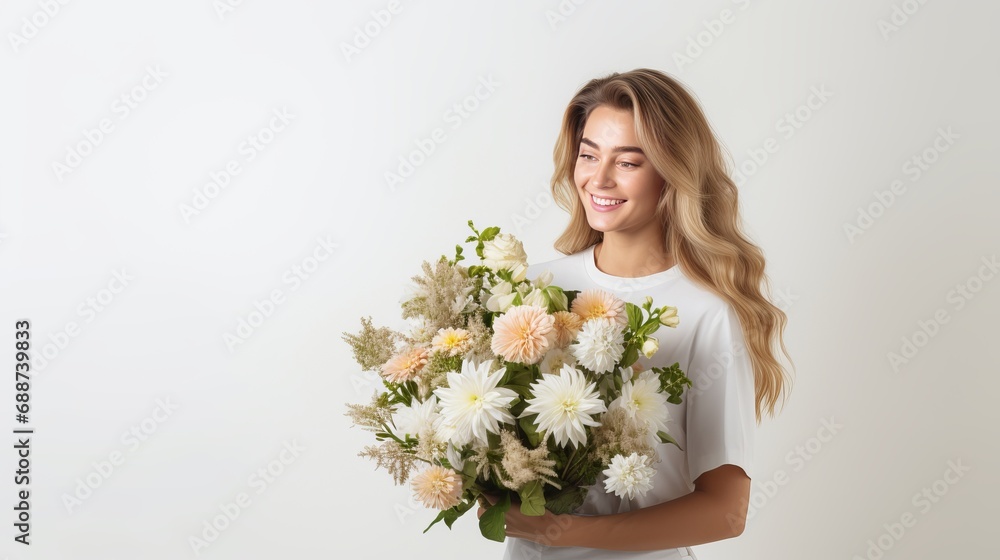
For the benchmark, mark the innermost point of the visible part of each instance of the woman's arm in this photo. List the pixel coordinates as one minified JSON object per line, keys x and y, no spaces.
{"x":714,"y":511}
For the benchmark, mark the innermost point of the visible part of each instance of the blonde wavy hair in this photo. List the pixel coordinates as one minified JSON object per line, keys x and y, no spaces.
{"x":699,"y":208}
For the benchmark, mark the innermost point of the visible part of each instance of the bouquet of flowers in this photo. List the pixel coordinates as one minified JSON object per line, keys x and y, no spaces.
{"x":507,"y":386}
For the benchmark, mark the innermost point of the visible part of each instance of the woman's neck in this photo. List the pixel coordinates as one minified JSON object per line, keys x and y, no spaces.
{"x":631,"y":258}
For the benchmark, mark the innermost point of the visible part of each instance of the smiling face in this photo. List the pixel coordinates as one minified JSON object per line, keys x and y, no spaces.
{"x":616,"y":182}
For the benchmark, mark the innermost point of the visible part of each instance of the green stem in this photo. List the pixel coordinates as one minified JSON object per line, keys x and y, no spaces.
{"x":583,"y":457}
{"x":569,"y":462}
{"x":386,"y":429}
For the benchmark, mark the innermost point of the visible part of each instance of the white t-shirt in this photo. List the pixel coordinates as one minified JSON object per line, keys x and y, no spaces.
{"x":715,"y":421}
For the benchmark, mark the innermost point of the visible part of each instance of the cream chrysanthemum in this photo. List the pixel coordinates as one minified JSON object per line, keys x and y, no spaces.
{"x":593,"y":303}
{"x":566,"y":324}
{"x":555,"y":359}
{"x":472,"y":404}
{"x":645,"y":404}
{"x":629,"y":476}
{"x":453,"y":342}
{"x":523,"y":334}
{"x":599,"y":345}
{"x":405,"y":365}
{"x":564,"y":404}
{"x":437,"y":487}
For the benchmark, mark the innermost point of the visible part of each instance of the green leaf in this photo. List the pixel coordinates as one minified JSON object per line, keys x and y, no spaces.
{"x":492,"y":440}
{"x":530,"y":431}
{"x":476,"y":270}
{"x":672,"y":382}
{"x":518,"y":407}
{"x":517,"y":374}
{"x":522,"y":390}
{"x":460,"y":510}
{"x":532,"y":498}
{"x":469,"y":469}
{"x":491,"y":524}
{"x":634,"y":316}
{"x":666,"y":438}
{"x":630,"y":356}
{"x":567,"y":500}
{"x":557,"y":299}
{"x":489,"y":233}
{"x":448,"y":515}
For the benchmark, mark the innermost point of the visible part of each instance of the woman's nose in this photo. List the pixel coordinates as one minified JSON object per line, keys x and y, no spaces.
{"x":603,"y":176}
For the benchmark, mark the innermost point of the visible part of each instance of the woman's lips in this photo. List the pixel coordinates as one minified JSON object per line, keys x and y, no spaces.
{"x":600,"y":208}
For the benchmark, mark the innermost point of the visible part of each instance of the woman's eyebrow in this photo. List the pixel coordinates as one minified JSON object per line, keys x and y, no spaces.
{"x":615,"y":150}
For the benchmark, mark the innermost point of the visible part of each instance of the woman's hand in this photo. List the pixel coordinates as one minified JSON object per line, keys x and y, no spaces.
{"x":549,"y":529}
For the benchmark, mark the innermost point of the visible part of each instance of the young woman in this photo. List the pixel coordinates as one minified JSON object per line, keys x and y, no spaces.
{"x":653,"y":212}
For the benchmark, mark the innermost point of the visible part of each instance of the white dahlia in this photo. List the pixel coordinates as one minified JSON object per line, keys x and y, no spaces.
{"x":645,"y":404}
{"x":629,"y":475}
{"x":417,"y":418}
{"x":472,"y":404}
{"x":564,"y":404}
{"x":600,"y":344}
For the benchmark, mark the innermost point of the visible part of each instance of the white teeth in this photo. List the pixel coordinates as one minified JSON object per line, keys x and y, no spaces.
{"x":606,"y":201}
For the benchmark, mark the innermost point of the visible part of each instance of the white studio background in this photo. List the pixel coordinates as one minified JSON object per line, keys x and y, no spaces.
{"x":890,"y":95}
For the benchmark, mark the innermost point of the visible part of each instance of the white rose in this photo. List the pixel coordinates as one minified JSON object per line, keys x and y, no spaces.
{"x":505,"y":252}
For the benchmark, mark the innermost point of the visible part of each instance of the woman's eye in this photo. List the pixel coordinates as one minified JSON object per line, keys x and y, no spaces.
{"x":585,"y":156}
{"x":629,"y":164}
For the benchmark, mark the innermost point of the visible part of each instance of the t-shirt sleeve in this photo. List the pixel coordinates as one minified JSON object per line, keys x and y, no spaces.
{"x":721,"y":418}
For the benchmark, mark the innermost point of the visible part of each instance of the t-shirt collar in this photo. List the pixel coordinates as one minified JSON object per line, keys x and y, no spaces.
{"x":623,"y":284}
